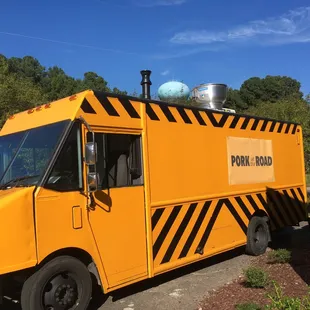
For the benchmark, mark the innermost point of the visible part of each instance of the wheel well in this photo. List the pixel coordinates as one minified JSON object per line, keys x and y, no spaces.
{"x":261,"y":213}
{"x":81,"y":255}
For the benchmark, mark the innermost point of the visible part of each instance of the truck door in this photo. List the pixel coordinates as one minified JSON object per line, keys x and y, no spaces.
{"x":117,"y":212}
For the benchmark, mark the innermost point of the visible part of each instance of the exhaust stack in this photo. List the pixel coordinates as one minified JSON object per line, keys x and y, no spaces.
{"x":146,"y":83}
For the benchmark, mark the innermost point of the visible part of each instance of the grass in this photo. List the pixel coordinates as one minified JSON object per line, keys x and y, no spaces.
{"x":279,"y":301}
{"x":256,"y":277}
{"x":308,"y":179}
{"x":279,"y":256}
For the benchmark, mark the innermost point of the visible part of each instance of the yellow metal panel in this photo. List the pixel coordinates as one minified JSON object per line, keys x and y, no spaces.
{"x":112,"y":112}
{"x":118,"y":225}
{"x":56,"y":111}
{"x":198,"y":165}
{"x":54,"y":226}
{"x":17,"y":247}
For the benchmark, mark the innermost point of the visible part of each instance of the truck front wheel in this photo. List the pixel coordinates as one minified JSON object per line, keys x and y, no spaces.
{"x":64,"y":283}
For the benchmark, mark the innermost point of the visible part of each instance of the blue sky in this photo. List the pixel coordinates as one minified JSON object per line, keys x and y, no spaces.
{"x":194,"y":41}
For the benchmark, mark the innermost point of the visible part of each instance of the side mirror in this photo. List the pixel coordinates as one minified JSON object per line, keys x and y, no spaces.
{"x":90,"y":153}
{"x":92,"y":180}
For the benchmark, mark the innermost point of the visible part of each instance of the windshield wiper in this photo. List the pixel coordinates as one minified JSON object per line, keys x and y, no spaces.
{"x":26,"y":177}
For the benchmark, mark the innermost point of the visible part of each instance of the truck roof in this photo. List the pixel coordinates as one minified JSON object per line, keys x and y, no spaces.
{"x":68,"y":108}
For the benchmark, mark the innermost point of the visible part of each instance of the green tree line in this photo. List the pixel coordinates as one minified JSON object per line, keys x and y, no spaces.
{"x":25,"y":83}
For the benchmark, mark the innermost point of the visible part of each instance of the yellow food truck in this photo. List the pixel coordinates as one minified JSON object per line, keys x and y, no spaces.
{"x":130,"y":188}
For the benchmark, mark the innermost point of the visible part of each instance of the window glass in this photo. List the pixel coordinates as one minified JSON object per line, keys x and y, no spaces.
{"x":25,"y":156}
{"x":119,"y":161}
{"x":66,"y":174}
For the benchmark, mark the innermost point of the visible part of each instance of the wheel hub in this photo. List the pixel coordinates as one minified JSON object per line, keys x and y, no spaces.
{"x":60,"y":293}
{"x":65,"y":295}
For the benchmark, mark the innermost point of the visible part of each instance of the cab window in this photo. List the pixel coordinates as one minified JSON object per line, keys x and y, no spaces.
{"x":119,"y":162}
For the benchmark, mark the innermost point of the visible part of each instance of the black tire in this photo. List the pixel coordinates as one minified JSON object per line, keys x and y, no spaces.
{"x":257,"y":236}
{"x":62,"y":280}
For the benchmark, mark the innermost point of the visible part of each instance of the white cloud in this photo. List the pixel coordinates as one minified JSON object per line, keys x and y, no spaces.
{"x":152,"y":3}
{"x":293,"y":27}
{"x":164,"y":73}
{"x":179,"y":53}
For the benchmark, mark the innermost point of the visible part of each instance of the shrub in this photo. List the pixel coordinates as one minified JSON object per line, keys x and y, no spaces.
{"x":256,"y":277}
{"x":248,"y":306}
{"x":279,"y":301}
{"x":279,"y":256}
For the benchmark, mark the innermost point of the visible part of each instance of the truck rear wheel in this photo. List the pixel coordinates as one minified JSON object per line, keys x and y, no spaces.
{"x":64,"y":283}
{"x":257,"y":236}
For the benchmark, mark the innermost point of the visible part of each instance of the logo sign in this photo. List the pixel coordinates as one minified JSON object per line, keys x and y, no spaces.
{"x":250,"y":161}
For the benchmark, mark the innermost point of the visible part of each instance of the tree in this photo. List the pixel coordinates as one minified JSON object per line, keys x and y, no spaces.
{"x":27,"y":67}
{"x":17,"y":94}
{"x":293,"y":110}
{"x":271,"y":89}
{"x":56,"y":84}
{"x":234,"y":101}
{"x":93,"y":81}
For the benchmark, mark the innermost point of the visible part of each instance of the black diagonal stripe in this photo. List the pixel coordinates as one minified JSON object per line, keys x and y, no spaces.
{"x":184,"y":115}
{"x":245,"y":123}
{"x":291,"y":204}
{"x":288,"y":126}
{"x":268,"y":210}
{"x":193,"y":234}
{"x":107,"y":105}
{"x":299,"y":204}
{"x":87,"y":108}
{"x":236,"y":216}
{"x":209,"y":227}
{"x":151,"y":113}
{"x":199,"y":118}
{"x":165,"y":230}
{"x":234,"y":122}
{"x":294,"y":129}
{"x":214,"y":122}
{"x":265,"y":123}
{"x":254,"y":126}
{"x":276,"y":208}
{"x":280,"y":127}
{"x":273,"y":125}
{"x":301,"y":194}
{"x":252,"y":202}
{"x":179,"y":233}
{"x":167,"y":113}
{"x":128,"y":106}
{"x":243,"y":207}
{"x":284,"y":207}
{"x":156,"y":216}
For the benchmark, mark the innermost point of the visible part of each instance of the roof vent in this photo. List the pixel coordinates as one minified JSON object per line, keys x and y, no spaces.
{"x":211,"y":95}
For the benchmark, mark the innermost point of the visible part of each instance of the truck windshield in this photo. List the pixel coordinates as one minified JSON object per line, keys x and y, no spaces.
{"x":25,"y":155}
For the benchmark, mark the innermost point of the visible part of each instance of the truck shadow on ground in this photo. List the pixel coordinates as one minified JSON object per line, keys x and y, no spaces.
{"x":297,"y":240}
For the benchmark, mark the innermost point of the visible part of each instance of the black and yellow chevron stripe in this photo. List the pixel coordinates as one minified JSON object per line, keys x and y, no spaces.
{"x":160,"y":111}
{"x":183,"y":230}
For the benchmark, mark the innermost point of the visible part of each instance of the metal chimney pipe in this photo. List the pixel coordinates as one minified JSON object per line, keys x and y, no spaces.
{"x":146,"y":83}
